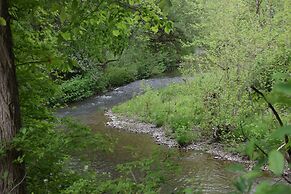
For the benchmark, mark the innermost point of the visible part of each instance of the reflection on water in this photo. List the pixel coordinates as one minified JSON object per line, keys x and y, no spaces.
{"x":199,"y":170}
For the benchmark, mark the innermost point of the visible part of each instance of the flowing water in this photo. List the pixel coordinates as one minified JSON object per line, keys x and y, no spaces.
{"x":200,"y":170}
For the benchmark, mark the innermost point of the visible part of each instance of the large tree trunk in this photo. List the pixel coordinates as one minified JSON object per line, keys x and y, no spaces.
{"x":12,"y":174}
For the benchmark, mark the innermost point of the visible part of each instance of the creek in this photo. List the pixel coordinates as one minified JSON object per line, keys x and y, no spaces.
{"x":199,"y":170}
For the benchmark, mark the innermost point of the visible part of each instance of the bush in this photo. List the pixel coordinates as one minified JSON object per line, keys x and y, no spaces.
{"x":185,"y":136}
{"x":76,"y":89}
{"x":118,"y":76}
{"x":80,"y":87}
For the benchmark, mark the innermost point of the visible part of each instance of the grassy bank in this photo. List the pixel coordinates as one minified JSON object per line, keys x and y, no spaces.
{"x":207,"y":107}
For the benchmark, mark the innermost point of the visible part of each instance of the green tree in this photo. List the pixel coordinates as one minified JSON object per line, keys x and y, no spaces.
{"x":43,"y":32}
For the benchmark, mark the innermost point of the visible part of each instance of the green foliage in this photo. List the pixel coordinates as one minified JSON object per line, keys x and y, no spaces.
{"x":136,"y":34}
{"x":2,"y":21}
{"x":267,"y":188}
{"x":276,"y":162}
{"x":275,"y":159}
{"x":184,"y":136}
{"x":239,"y":47}
{"x":48,"y":151}
{"x":202,"y":104}
{"x":165,"y":107}
{"x":49,"y":147}
{"x":145,"y":175}
{"x":60,"y":51}
{"x":245,"y":182}
{"x":143,"y":61}
{"x":76,"y":89}
{"x":80,"y":137}
{"x":60,"y":37}
{"x":52,"y":40}
{"x":118,"y":76}
{"x":137,"y":62}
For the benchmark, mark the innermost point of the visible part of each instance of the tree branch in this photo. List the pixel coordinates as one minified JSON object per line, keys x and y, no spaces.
{"x":104,"y":64}
{"x":18,"y":184}
{"x":269,"y":105}
{"x":257,"y":146}
{"x":278,"y":119}
{"x":286,"y":179}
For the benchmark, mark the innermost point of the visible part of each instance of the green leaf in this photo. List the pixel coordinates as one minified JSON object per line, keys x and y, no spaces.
{"x":63,"y":16}
{"x":241,"y":184}
{"x":2,"y":21}
{"x":155,"y":29}
{"x":168,"y":27}
{"x":115,"y":32}
{"x":276,"y":162}
{"x":66,"y":35}
{"x":75,"y":5}
{"x":284,"y":88}
{"x":121,"y":26}
{"x":281,"y":132}
{"x":188,"y":191}
{"x":146,"y":19}
{"x":131,"y":2}
{"x":252,"y":175}
{"x":267,"y":188}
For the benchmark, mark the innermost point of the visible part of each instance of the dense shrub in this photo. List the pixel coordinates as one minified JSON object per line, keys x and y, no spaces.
{"x":118,"y":76}
{"x":76,"y":89}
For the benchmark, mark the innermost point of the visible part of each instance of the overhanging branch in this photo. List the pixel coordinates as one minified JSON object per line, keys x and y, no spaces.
{"x":278,"y":119}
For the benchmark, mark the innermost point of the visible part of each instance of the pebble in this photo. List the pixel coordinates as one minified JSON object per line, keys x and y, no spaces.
{"x":160,"y":137}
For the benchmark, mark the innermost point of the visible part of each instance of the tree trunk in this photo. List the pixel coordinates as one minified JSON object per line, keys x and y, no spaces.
{"x":12,"y":173}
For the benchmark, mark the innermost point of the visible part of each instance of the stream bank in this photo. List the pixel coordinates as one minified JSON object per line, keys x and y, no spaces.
{"x":160,"y":137}
{"x":200,"y":170}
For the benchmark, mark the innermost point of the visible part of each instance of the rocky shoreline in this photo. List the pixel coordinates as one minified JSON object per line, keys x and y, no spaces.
{"x":160,"y":137}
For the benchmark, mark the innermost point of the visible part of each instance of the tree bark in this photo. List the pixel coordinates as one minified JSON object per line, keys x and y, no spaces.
{"x":12,"y":173}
